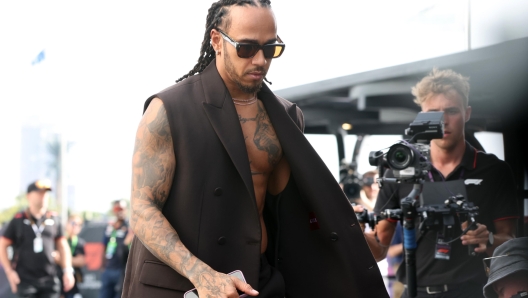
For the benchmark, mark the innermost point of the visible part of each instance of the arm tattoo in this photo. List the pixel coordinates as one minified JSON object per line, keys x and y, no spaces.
{"x":153,"y":170}
{"x":265,"y":138}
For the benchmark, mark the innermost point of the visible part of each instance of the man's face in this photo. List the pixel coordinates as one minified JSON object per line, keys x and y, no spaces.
{"x":119,"y":211}
{"x":248,"y":25}
{"x":73,"y":227}
{"x":511,"y":285}
{"x":455,"y":117}
{"x":38,"y":199}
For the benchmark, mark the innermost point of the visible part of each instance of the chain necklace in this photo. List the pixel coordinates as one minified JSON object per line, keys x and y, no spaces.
{"x":245,"y":102}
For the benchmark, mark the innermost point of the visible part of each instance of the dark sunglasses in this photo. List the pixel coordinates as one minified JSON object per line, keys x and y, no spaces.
{"x":248,"y":50}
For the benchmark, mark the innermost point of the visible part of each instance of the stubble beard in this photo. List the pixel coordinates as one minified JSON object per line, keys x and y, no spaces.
{"x":448,"y":144}
{"x":230,"y":68}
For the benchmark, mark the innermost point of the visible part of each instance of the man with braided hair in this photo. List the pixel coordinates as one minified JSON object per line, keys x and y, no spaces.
{"x":224,"y":180}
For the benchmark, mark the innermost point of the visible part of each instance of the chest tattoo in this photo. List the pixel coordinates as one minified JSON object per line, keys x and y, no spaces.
{"x":244,"y":120}
{"x":265,"y":138}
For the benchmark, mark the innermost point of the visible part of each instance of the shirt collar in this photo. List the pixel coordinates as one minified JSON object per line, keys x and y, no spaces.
{"x":470,"y":157}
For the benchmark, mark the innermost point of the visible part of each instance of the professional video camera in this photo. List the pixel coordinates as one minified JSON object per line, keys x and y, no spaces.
{"x":410,"y":163}
{"x":353,"y":182}
{"x":409,"y":160}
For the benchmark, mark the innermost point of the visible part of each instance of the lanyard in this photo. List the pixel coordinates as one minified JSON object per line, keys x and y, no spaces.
{"x":113,"y":235}
{"x":37,"y":229}
{"x":112,"y":245}
{"x":461,"y":172}
{"x":443,"y":179}
{"x":73,"y":244}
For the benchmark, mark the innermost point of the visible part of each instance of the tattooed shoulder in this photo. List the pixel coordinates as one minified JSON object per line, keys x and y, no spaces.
{"x":160,"y":124}
{"x":154,"y":160}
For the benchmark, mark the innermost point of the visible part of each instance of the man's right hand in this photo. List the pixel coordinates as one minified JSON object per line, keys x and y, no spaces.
{"x":359,"y":209}
{"x":13,"y":279}
{"x":211,"y":283}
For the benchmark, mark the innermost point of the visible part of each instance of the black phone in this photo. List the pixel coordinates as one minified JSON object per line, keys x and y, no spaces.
{"x":237,"y":273}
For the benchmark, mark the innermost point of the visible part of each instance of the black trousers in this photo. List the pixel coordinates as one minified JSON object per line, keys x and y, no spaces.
{"x":271,"y":282}
{"x":463,"y":291}
{"x":44,"y":288}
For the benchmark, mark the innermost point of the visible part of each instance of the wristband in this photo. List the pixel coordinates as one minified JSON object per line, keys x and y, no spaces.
{"x":68,"y":270}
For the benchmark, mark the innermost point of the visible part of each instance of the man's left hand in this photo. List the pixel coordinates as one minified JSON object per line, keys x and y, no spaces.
{"x":68,"y":281}
{"x":477,"y":237}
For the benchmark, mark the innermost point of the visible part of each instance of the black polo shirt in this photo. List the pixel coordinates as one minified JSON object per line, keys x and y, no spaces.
{"x":490,"y":186}
{"x":29,"y":265}
{"x":76,"y":250}
{"x":119,"y":257}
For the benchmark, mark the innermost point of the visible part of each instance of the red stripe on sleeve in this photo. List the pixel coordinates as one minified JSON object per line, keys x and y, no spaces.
{"x":9,"y":240}
{"x":504,"y":218}
{"x":392,"y":220}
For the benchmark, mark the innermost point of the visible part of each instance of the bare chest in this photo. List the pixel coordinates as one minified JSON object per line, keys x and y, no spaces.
{"x":263,"y":147}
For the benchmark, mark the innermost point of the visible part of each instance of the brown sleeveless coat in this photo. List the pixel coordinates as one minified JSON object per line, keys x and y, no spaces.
{"x":315,"y":240}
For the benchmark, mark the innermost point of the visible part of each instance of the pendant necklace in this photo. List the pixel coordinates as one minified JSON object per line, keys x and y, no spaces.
{"x":245,"y":102}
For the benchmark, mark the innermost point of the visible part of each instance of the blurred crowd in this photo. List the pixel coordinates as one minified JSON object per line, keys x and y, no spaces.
{"x":41,"y":258}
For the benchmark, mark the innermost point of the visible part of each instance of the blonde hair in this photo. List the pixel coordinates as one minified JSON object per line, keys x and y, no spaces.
{"x":441,"y":82}
{"x":76,"y":216}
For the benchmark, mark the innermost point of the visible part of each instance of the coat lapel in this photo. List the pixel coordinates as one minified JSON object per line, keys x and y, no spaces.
{"x":288,"y":132}
{"x":223,"y":117}
{"x":303,"y":159}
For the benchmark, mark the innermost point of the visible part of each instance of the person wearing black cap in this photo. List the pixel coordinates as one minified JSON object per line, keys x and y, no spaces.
{"x":35,"y":234}
{"x":508,"y":271}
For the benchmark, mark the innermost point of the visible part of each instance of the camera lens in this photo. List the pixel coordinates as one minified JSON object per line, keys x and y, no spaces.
{"x":352,"y":189}
{"x":400,"y":157}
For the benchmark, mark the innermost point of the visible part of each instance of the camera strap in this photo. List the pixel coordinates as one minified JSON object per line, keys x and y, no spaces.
{"x":462,"y":172}
{"x":431,"y":178}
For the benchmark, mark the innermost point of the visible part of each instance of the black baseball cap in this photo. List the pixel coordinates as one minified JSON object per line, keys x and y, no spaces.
{"x":42,"y":184}
{"x":510,"y":257}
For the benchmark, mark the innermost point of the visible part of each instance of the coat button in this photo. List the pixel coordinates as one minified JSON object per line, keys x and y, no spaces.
{"x":218,"y":191}
{"x":222,"y":240}
{"x":333,"y":236}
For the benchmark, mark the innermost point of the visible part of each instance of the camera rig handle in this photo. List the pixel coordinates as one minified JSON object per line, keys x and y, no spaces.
{"x":409,"y":214}
{"x":471,"y":247}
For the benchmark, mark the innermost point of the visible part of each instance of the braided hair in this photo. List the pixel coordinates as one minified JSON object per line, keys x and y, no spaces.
{"x":215,"y":16}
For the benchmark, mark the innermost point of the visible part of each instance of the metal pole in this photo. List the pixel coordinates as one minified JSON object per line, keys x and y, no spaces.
{"x":64,"y":182}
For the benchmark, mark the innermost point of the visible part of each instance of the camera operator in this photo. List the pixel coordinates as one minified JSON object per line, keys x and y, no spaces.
{"x":489,"y":184}
{"x":369,"y":191}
